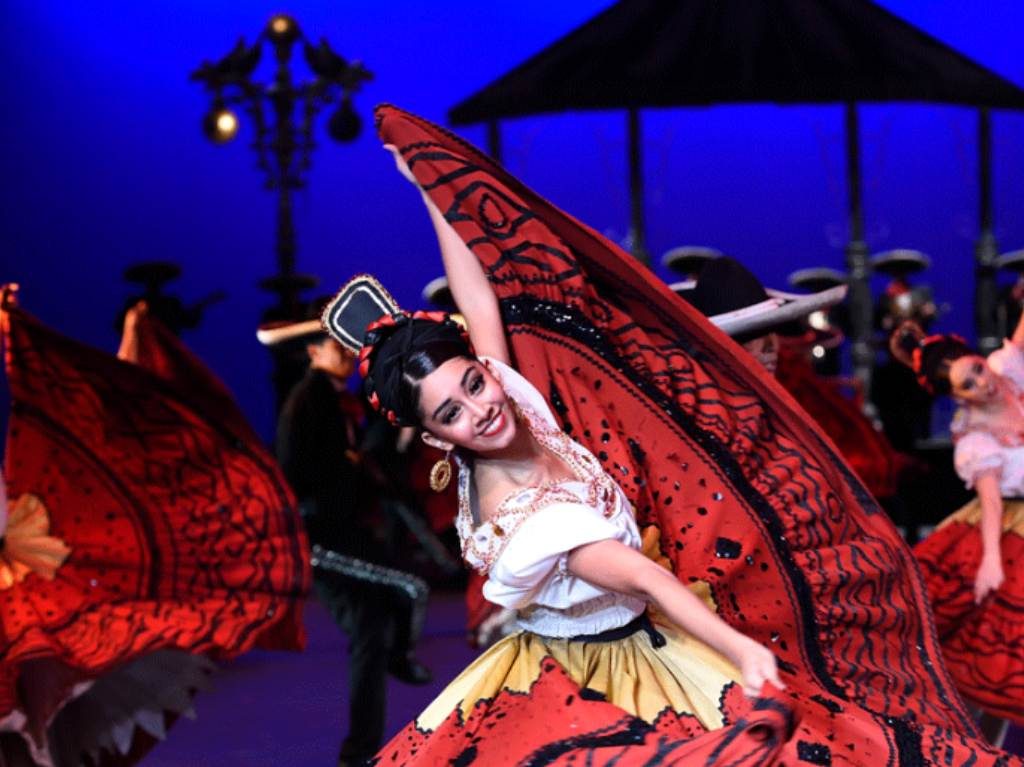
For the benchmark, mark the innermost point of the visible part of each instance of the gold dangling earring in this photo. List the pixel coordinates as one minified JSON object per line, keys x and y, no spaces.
{"x":441,"y":474}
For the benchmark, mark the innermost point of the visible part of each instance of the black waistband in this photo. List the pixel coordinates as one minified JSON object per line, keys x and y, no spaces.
{"x":639,"y":623}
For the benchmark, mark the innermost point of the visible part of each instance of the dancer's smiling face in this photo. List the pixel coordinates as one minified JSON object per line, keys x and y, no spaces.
{"x":462,"y":405}
{"x":971,"y":380}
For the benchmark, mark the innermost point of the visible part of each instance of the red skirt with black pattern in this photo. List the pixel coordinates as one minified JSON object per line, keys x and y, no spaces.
{"x":748,"y":494}
{"x":983,"y":644}
{"x":182,"y":533}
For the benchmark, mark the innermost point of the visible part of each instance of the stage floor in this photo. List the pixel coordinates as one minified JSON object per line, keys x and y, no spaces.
{"x":278,"y":709}
{"x":270,"y":709}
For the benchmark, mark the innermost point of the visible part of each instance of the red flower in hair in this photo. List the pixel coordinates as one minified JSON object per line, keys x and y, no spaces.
{"x":386,"y":321}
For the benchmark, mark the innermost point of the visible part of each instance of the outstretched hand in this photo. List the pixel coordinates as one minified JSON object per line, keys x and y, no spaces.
{"x":988,"y":578}
{"x":134,"y":314}
{"x":129,"y":348}
{"x":757,"y":666}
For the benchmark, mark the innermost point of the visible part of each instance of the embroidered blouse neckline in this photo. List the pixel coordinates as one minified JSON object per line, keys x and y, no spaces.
{"x":481,"y":550}
{"x":534,"y":422}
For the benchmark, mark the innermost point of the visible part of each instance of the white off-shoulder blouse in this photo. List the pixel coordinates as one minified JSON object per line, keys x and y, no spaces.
{"x":978,"y":451}
{"x":524,"y":547}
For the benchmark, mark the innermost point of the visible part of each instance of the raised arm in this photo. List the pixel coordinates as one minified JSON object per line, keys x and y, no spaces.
{"x":470,"y":289}
{"x":466,"y":279}
{"x":613,"y":565}
{"x":129,"y":348}
{"x":990,"y":572}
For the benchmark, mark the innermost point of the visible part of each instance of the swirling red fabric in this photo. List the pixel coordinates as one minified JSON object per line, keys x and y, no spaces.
{"x":183,"y":532}
{"x":747,"y":493}
{"x":866,"y":449}
{"x":983,"y":644}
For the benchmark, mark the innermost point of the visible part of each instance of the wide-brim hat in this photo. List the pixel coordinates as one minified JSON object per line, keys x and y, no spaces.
{"x":817,"y":278}
{"x":439,"y":293}
{"x":735,"y":301}
{"x":152,"y":273}
{"x":900,"y":262}
{"x":1012,"y":261}
{"x":689,"y":259}
{"x":307,"y":330}
{"x":277,"y":333}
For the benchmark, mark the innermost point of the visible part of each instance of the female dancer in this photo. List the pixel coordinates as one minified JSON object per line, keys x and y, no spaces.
{"x":554,"y":534}
{"x":732,"y":488}
{"x":971,"y":561}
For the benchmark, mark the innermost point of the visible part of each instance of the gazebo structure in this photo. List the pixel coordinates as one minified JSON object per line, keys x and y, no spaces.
{"x":672,"y":53}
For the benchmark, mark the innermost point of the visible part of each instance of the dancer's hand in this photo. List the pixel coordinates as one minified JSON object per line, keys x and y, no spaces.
{"x":401,"y":164}
{"x":988,"y":578}
{"x":134,"y":314}
{"x":129,"y":348}
{"x":757,"y":665}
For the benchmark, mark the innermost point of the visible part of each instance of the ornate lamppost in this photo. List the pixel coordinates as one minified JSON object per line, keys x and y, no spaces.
{"x":283,"y":113}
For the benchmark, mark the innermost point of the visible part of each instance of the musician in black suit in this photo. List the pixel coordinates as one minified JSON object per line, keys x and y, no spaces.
{"x":321,"y":447}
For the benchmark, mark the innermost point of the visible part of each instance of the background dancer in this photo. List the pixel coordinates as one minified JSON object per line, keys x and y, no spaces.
{"x":320,"y":443}
{"x":771,"y":326}
{"x":972,"y":562}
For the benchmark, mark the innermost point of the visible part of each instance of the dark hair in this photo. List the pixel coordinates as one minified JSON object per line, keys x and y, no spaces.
{"x":929,"y":357}
{"x":404,"y":355}
{"x":937,"y":356}
{"x":418,"y":365}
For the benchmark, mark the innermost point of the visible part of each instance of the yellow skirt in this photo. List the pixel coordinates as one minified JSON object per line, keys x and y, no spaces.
{"x":970,"y":514}
{"x":685,"y":675}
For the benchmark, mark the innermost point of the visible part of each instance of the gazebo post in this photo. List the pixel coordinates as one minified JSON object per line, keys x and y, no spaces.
{"x":985,"y":249}
{"x":636,"y":189}
{"x":494,"y":140}
{"x":857,"y":263}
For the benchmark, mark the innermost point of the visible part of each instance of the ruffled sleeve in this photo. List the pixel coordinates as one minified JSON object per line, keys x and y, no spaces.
{"x":977,"y":452}
{"x":1008,"y":361}
{"x":532,"y":568}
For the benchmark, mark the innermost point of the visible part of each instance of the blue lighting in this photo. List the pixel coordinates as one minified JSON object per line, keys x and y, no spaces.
{"x":105,"y":163}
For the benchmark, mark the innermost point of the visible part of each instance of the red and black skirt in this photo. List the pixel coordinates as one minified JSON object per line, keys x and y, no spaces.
{"x":983,"y":644}
{"x":143,"y":525}
{"x":745,"y":491}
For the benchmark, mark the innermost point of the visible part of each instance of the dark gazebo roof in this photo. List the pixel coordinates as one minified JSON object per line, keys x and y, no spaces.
{"x":649,"y":53}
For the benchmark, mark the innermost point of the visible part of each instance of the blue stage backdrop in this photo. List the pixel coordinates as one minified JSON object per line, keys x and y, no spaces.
{"x":104,"y":162}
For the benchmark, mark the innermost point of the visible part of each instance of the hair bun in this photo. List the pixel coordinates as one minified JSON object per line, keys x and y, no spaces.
{"x":905,"y":340}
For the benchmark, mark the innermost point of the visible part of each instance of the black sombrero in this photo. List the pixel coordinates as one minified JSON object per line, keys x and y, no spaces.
{"x":307,"y":330}
{"x":900,"y":262}
{"x":438,"y":293}
{"x":729,"y":295}
{"x":688,"y":260}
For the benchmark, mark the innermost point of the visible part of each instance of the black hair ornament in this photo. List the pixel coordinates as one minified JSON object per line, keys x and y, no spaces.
{"x":365,"y":318}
